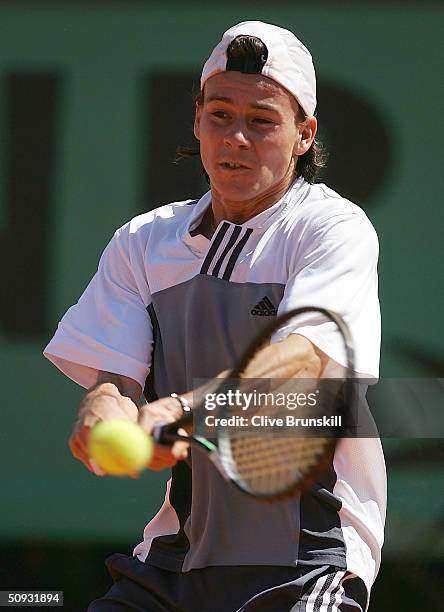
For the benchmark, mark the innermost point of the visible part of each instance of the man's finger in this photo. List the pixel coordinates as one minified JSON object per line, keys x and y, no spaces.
{"x":79,"y":440}
{"x":79,"y":453}
{"x":180,"y":448}
{"x":78,"y":444}
{"x":162,"y":458}
{"x":92,"y":465}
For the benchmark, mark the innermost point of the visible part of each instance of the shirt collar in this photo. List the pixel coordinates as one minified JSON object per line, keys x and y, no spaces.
{"x":259,"y":222}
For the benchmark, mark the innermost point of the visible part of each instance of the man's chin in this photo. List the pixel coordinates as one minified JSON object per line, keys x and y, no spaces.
{"x":235,"y":191}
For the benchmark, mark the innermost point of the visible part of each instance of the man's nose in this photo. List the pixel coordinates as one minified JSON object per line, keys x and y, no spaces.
{"x":237,"y":135}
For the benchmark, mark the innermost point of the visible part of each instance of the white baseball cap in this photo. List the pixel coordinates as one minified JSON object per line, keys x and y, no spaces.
{"x":288,"y":62}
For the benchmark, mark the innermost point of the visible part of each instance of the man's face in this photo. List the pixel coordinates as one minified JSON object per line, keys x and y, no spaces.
{"x":247,"y":127}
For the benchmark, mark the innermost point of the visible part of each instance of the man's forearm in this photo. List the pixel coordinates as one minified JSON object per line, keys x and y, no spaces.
{"x":111,"y":393}
{"x":294,"y":357}
{"x":116,"y":385}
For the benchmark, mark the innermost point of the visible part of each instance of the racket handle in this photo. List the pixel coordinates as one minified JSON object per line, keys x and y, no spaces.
{"x":159,"y":435}
{"x":166,"y":433}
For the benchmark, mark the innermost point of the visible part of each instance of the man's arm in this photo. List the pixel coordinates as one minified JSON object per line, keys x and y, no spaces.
{"x":293,"y":357}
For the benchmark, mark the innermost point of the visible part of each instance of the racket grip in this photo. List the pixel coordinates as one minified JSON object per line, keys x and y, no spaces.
{"x":166,"y":433}
{"x":158,"y":434}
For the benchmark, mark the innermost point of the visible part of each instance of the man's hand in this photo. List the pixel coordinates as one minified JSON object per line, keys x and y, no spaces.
{"x":102,"y":403}
{"x":164,"y":410}
{"x":118,"y":397}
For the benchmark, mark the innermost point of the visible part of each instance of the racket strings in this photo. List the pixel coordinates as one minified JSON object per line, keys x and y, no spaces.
{"x":266,"y":463}
{"x":269,"y":460}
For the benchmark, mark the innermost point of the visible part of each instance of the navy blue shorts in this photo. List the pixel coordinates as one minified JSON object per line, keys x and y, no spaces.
{"x":145,"y":588}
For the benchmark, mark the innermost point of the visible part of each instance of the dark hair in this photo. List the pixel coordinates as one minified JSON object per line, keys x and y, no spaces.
{"x":249,"y":54}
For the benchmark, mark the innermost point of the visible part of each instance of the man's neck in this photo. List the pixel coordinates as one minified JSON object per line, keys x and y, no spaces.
{"x":222,"y":209}
{"x":241,"y":211}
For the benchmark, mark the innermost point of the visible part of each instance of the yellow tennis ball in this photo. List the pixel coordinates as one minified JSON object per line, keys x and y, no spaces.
{"x":120,"y":447}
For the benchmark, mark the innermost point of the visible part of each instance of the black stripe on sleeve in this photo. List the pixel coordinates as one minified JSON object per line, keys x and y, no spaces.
{"x":235,"y":254}
{"x":149,"y":390}
{"x":234,"y":236}
{"x":170,"y":550}
{"x":217,"y":240}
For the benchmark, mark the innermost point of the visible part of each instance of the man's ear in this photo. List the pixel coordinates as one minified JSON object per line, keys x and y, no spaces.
{"x":197,"y":117}
{"x":307,"y":132}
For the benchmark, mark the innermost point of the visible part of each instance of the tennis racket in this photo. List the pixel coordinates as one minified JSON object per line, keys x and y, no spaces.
{"x":260,"y":457}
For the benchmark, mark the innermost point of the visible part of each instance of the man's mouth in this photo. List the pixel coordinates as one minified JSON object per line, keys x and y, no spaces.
{"x":233,"y":165}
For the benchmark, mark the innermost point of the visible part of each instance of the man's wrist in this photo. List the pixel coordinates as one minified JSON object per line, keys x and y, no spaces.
{"x":184,"y":403}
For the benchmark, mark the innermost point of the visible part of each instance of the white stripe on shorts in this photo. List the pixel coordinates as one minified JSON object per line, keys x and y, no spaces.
{"x":338,"y":598}
{"x":325,"y":592}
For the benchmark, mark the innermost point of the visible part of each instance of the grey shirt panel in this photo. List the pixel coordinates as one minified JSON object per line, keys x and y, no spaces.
{"x":201,"y":327}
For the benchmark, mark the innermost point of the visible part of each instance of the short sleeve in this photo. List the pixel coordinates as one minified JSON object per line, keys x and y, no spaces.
{"x":335,"y":267}
{"x":109,"y":328}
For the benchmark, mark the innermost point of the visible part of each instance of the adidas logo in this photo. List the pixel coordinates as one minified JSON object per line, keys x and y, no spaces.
{"x":264,"y":308}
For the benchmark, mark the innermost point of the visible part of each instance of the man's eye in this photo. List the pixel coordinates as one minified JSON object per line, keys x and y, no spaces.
{"x":262,"y":120}
{"x":220,"y":114}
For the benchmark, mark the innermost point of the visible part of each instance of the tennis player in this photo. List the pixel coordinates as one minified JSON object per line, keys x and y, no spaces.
{"x":179,"y":293}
